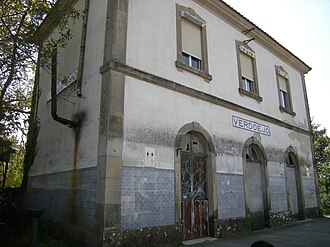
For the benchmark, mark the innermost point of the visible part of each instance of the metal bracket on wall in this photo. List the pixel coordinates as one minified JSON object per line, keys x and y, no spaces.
{"x":248,"y":30}
{"x":248,"y":40}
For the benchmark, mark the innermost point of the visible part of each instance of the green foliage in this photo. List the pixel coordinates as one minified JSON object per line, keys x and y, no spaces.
{"x":15,"y":168}
{"x":21,"y":53}
{"x":11,"y":172}
{"x":321,"y":145}
{"x":6,"y":151}
{"x":31,"y":144}
{"x":19,"y":21}
{"x":322,"y":160}
{"x":325,"y":200}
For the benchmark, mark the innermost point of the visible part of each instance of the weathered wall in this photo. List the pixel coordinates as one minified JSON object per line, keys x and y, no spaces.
{"x":153,"y":114}
{"x":137,"y":108}
{"x":63,"y":203}
{"x":147,"y":198}
{"x":145,"y":111}
{"x":62,"y":179}
{"x":151,"y":47}
{"x":56,"y":141}
{"x":231,"y":201}
{"x":309,"y":192}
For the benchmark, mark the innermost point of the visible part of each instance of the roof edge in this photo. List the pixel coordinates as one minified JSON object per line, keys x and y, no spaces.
{"x":241,"y":23}
{"x":59,"y":10}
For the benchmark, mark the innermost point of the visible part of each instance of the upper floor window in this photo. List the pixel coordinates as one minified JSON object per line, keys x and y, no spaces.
{"x":284,"y":90}
{"x":191,"y":42}
{"x":247,"y":71}
{"x":284,"y":95}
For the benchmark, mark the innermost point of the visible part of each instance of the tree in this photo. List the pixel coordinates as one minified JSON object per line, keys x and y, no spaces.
{"x":21,"y":51}
{"x":322,"y":160}
{"x":11,"y":163}
{"x":19,"y":21}
{"x":6,"y":151}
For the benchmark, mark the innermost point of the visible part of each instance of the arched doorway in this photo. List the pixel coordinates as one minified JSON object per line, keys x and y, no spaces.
{"x":195,"y":182}
{"x":293,"y":184}
{"x":256,"y":185}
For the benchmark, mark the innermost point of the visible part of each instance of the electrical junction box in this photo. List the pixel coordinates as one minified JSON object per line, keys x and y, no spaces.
{"x":150,"y":157}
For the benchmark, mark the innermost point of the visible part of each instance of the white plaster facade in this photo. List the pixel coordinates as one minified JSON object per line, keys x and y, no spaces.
{"x":57,"y":141}
{"x":156,"y":101}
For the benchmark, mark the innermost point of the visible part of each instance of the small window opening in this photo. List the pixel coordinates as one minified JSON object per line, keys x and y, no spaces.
{"x":191,"y":61}
{"x":254,"y":154}
{"x":290,"y":161}
{"x":285,"y":101}
{"x":248,"y":85}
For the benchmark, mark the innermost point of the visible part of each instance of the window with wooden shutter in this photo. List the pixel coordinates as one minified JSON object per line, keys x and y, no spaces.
{"x":248,"y":84}
{"x":246,"y":66}
{"x":284,"y":96}
{"x":191,"y":39}
{"x":191,"y":42}
{"x":284,"y":90}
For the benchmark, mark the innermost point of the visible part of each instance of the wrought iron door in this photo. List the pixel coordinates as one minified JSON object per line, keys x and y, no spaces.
{"x":194,"y":200}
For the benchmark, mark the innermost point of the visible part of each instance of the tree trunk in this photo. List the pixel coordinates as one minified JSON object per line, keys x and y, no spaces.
{"x":33,"y":130}
{"x":5,"y":175}
{"x":12,"y":64}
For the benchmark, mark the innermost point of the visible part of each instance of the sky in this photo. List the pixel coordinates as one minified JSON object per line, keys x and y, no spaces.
{"x":303,"y":27}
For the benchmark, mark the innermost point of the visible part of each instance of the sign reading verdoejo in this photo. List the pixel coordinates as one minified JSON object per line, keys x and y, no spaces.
{"x":245,"y":124}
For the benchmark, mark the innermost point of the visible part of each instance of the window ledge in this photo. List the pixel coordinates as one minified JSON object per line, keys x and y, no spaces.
{"x":286,"y":110}
{"x":201,"y":73}
{"x":252,"y":95}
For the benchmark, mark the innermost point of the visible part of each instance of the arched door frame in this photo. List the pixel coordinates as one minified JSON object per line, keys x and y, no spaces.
{"x":196,"y":128}
{"x":264,"y":171}
{"x":290,"y":151}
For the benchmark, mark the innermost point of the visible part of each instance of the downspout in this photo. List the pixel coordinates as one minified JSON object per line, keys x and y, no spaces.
{"x":57,"y":118}
{"x":82,"y":49}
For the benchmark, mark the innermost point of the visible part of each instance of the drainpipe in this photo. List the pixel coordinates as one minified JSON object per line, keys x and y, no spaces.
{"x":57,"y":118}
{"x":82,"y":49}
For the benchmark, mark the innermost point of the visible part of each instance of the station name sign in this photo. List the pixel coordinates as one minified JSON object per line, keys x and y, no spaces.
{"x":245,"y":124}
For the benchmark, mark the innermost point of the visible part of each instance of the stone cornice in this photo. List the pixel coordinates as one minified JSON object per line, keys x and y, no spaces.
{"x":241,"y":23}
{"x":60,"y":9}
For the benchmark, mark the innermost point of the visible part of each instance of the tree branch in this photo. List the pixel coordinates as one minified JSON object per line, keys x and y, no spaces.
{"x":12,"y":65}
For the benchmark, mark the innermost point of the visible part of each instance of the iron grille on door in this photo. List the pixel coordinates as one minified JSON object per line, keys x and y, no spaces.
{"x":194,"y":199}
